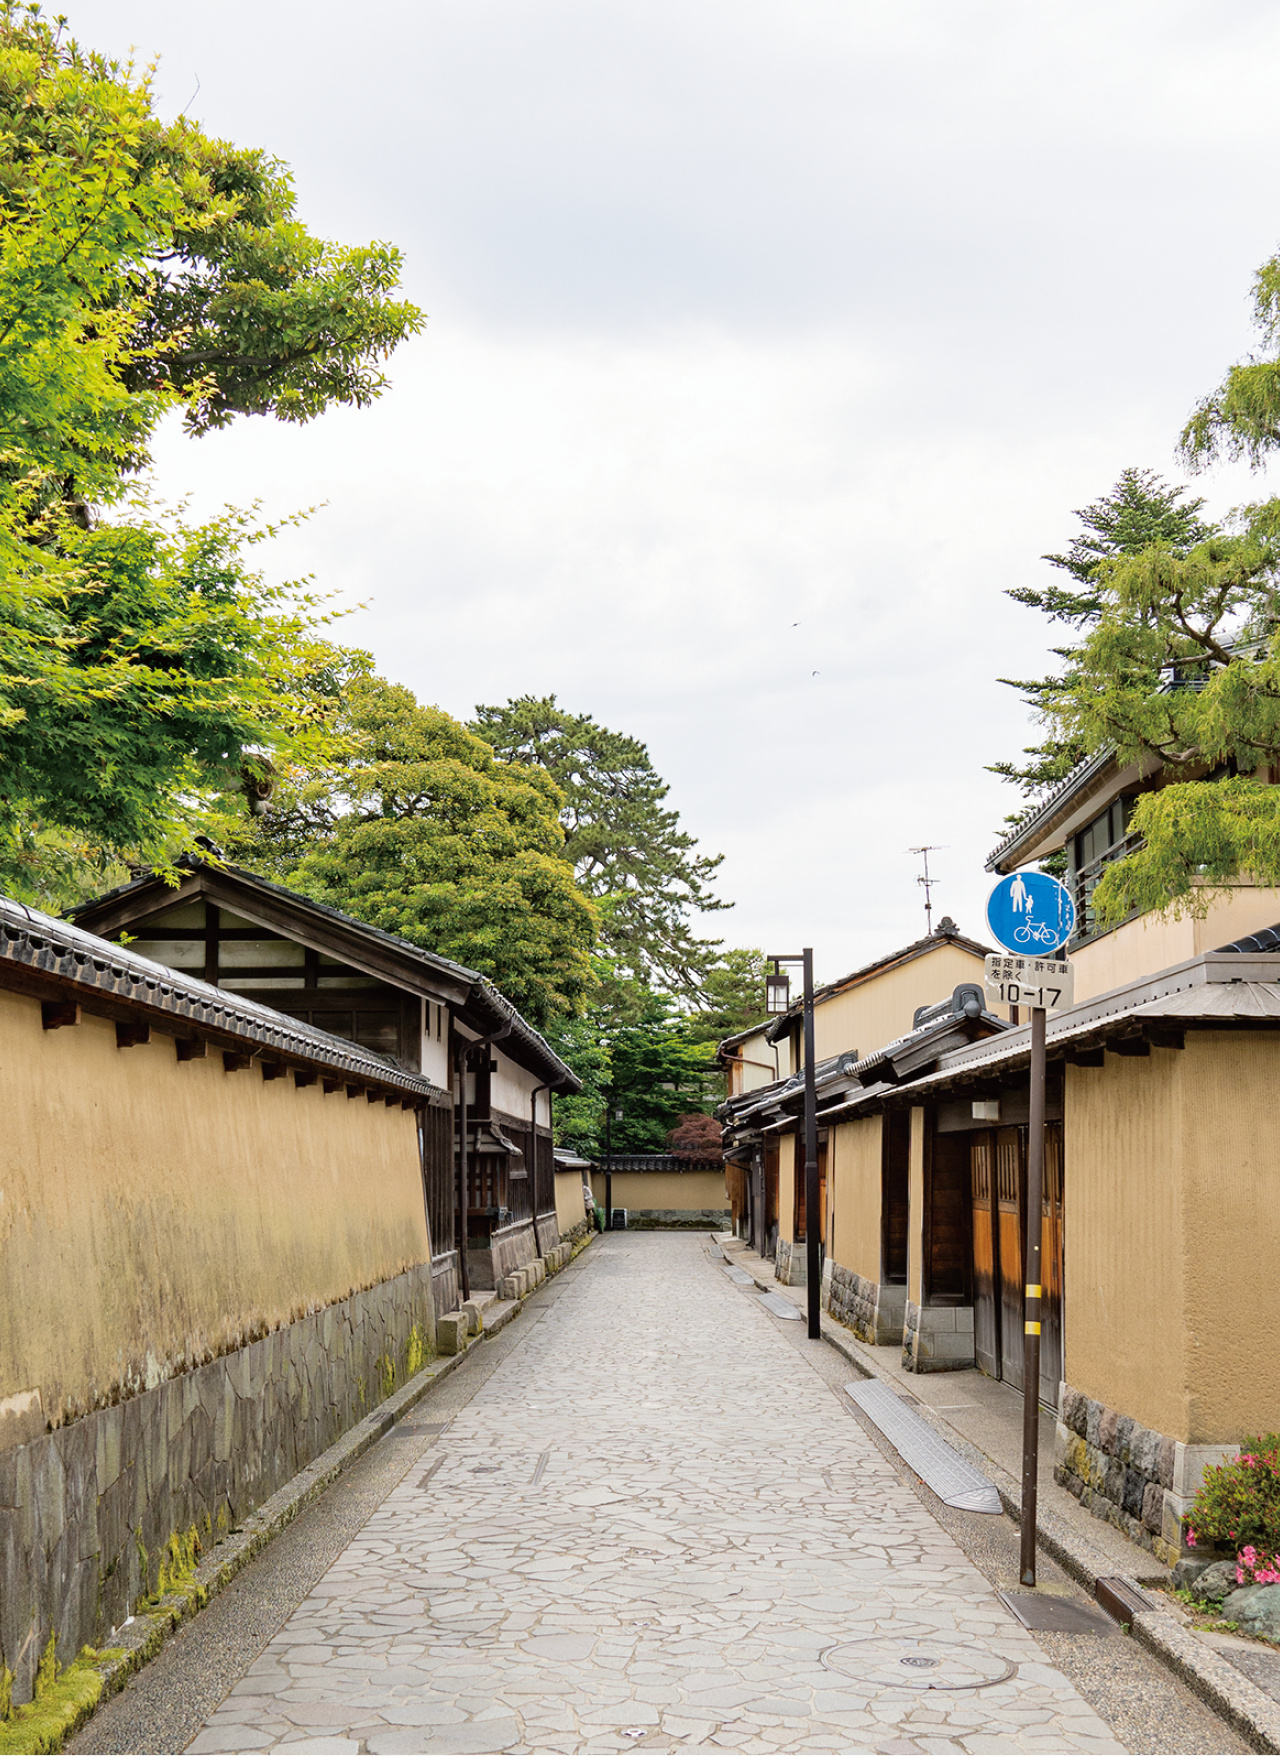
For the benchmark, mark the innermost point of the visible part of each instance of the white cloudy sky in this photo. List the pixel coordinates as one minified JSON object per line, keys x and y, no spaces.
{"x":769,"y":344}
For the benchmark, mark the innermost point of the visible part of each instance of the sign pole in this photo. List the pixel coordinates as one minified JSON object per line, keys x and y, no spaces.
{"x":1031,"y":1325}
{"x":812,"y":1204}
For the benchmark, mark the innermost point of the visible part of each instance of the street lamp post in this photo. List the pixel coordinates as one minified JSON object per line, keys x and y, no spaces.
{"x":777,"y":1001}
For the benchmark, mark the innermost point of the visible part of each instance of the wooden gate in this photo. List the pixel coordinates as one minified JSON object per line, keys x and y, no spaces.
{"x":1010,"y":1206}
{"x":998,"y":1195}
{"x":986,"y":1305}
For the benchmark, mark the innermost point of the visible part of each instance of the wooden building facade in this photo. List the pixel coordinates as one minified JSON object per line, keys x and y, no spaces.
{"x":486,"y":1142}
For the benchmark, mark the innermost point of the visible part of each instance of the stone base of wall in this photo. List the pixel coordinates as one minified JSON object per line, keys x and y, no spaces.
{"x":509,"y":1248}
{"x":701,"y":1219}
{"x":87,"y":1511}
{"x":937,"y":1338}
{"x":789,"y":1265}
{"x":1134,"y":1478}
{"x":874,"y":1312}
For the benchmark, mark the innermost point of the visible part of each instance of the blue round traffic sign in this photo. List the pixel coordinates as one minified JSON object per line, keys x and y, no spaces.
{"x":1031,"y":914}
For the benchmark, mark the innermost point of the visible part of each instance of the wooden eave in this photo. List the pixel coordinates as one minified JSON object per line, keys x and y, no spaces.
{"x":33,"y":963}
{"x":309,"y":927}
{"x":295,"y":917}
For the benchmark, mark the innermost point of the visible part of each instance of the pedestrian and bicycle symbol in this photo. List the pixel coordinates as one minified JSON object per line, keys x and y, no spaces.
{"x":1031,"y":913}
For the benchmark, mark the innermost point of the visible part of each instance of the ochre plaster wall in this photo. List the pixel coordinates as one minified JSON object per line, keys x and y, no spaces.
{"x":690,"y":1191}
{"x":853,"y":1175}
{"x":880,"y":1009}
{"x":1148,"y":945}
{"x":745,"y":1075}
{"x":1231,"y":1236}
{"x":571,"y":1209}
{"x":1172,"y":1235}
{"x":154,"y":1214}
{"x":787,"y":1187}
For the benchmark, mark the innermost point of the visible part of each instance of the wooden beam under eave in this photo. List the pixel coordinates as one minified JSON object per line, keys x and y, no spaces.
{"x":191,"y":1048}
{"x":331,"y":1085}
{"x":56,"y":1014}
{"x":1086,"y":1057}
{"x":129,"y":1035}
{"x":355,"y":1091}
{"x":308,"y":1076}
{"x":1165,"y":1036}
{"x":1132,"y":1046}
{"x":233,"y":1061}
{"x":274,"y":1069}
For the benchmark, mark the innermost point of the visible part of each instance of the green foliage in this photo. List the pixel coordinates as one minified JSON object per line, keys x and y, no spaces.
{"x":140,"y":687}
{"x":145,"y":268}
{"x":732,"y":996}
{"x":1238,"y":1503}
{"x":1139,"y":511}
{"x":654,"y":1070}
{"x":582,"y":1044}
{"x":169,"y":265}
{"x":626,"y":847}
{"x":419,"y":830}
{"x":1198,"y":838}
{"x":1241,"y":418}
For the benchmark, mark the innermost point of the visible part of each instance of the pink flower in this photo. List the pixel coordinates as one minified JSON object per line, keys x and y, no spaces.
{"x":1191,"y":1538}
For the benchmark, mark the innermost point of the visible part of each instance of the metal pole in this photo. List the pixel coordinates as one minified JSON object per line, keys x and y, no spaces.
{"x":1031,"y":1325}
{"x":608,"y":1167}
{"x":812,"y":1205}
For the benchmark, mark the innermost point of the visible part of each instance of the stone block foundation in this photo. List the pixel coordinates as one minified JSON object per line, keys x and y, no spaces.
{"x":874,"y":1312}
{"x":666,"y":1219}
{"x":88,"y":1511}
{"x":790,"y":1265}
{"x":1141,"y":1481}
{"x":937,"y":1338}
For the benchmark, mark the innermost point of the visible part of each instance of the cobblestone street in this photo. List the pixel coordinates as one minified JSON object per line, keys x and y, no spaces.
{"x":654,"y":1525}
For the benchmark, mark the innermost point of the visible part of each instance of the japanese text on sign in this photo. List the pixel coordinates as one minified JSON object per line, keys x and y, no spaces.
{"x":1047,"y":982}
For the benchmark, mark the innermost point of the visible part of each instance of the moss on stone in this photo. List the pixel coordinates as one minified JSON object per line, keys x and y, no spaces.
{"x":64,"y":1699}
{"x":416,"y":1353}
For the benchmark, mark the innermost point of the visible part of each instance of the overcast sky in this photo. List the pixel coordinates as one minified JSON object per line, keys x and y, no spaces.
{"x":769,"y":345}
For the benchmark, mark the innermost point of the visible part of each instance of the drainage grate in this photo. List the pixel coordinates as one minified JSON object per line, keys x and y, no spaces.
{"x":955,"y":1482}
{"x":779,"y":1306}
{"x":1055,"y":1615}
{"x":739,"y":1277}
{"x":892,"y":1662}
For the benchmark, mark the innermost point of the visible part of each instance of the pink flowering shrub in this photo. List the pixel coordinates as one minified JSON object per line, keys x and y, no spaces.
{"x":1239,"y":1506}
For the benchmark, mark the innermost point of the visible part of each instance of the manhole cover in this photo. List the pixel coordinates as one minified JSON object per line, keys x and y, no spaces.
{"x":891,"y":1662}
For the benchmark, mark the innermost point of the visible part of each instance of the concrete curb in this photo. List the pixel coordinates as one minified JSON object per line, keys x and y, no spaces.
{"x":1219,"y":1684}
{"x":140,"y":1639}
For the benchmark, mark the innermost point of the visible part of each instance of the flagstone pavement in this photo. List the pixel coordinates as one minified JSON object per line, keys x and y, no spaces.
{"x":654,"y":1527}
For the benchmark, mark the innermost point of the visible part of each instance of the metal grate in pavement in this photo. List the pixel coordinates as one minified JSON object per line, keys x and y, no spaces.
{"x":738,"y":1276}
{"x":1056,"y":1615}
{"x":955,"y":1482}
{"x":779,"y":1306}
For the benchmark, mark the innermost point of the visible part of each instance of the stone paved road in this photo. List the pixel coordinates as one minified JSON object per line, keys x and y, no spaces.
{"x":655,"y":1529}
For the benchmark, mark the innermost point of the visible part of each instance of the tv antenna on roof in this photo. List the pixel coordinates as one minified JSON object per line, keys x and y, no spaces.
{"x":928,"y":882}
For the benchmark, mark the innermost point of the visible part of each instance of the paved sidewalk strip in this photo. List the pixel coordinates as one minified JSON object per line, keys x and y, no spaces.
{"x":630,"y":1543}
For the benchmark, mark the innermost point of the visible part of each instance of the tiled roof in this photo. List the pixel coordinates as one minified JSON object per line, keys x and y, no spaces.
{"x":37,"y":942}
{"x":482,"y":987}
